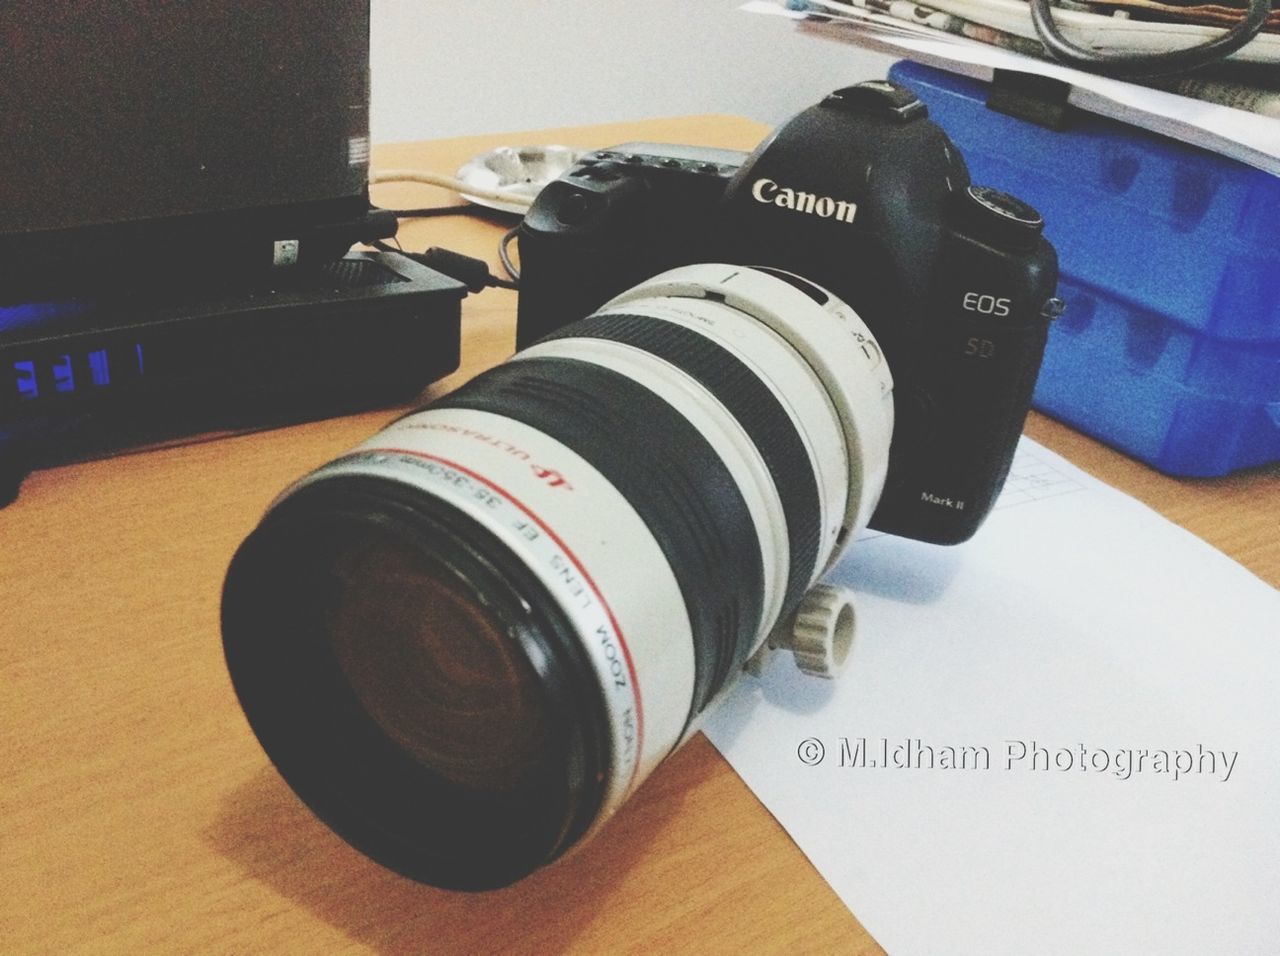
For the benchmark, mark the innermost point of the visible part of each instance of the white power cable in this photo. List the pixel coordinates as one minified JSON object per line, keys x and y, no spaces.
{"x":428,"y":178}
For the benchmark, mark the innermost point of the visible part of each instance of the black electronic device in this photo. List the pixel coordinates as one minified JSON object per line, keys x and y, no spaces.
{"x":84,"y":377}
{"x":619,"y":216}
{"x":866,"y":197}
{"x":148,"y":140}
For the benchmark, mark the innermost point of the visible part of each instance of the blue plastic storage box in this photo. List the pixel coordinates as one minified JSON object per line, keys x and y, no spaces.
{"x":1170,"y":255}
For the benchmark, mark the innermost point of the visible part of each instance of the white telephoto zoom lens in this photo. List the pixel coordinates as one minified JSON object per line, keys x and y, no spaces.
{"x":467,"y":641}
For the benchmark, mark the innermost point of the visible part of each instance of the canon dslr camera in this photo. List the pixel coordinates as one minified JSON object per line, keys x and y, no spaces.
{"x":467,"y":641}
{"x":865,"y":197}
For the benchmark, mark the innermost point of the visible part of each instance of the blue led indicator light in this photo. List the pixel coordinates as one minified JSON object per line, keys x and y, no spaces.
{"x":32,"y":314}
{"x":138,"y":350}
{"x":64,"y":377}
{"x":99,"y":370}
{"x":26,"y":377}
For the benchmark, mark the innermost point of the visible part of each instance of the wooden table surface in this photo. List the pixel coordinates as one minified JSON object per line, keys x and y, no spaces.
{"x":140,"y":815}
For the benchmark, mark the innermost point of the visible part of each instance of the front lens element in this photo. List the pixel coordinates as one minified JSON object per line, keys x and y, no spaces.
{"x":422,"y":697}
{"x":433,"y":667}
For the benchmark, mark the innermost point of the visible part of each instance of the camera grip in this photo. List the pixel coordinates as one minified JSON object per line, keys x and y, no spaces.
{"x":986,"y":325}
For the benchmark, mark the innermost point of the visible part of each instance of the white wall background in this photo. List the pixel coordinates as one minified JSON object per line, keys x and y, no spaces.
{"x":454,"y":67}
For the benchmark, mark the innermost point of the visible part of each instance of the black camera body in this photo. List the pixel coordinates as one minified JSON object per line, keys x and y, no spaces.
{"x":866,"y":197}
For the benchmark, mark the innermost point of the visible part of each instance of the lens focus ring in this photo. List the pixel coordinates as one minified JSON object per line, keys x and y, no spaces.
{"x":752,"y":405}
{"x":686,"y":497}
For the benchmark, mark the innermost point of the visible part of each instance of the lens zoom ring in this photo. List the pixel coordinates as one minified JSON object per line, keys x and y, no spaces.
{"x":668,"y":472}
{"x":751,"y":403}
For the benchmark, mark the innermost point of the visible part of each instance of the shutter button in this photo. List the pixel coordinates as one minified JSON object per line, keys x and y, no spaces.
{"x":997,"y":218}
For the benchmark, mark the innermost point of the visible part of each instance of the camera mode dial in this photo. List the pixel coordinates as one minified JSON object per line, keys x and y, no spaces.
{"x":999,"y":219}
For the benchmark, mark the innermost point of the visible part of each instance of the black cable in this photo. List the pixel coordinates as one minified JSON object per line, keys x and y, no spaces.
{"x":472,"y":272}
{"x":1134,"y":65}
{"x":462,"y":209}
{"x":505,"y":254}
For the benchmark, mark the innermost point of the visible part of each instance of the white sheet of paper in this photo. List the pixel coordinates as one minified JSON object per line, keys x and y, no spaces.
{"x":1078,"y":622}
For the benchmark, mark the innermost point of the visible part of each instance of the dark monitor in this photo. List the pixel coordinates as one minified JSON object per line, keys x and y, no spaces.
{"x":200,"y":138}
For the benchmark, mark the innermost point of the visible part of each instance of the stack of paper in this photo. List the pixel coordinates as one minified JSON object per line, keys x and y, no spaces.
{"x":941,"y":33}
